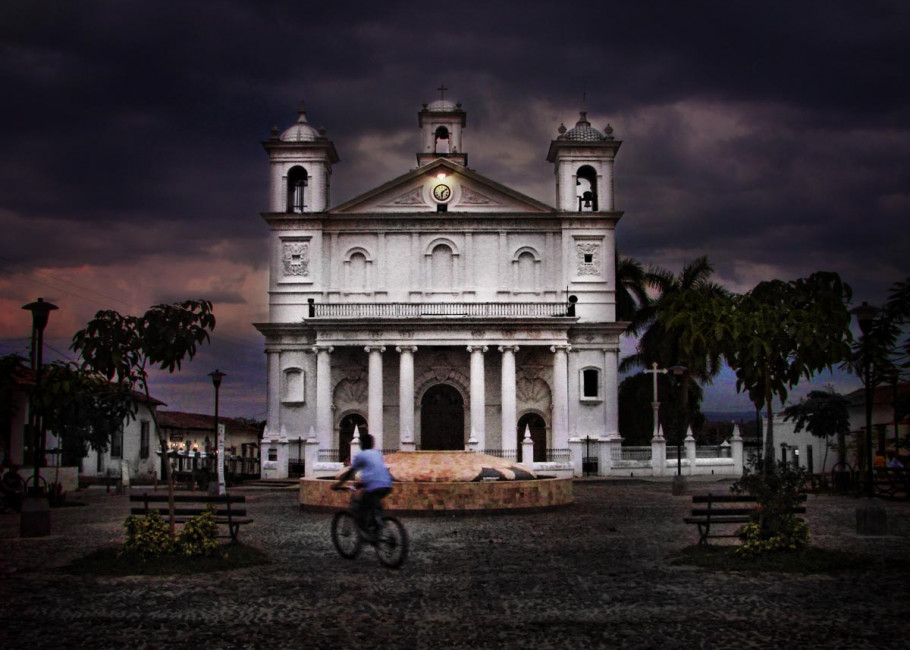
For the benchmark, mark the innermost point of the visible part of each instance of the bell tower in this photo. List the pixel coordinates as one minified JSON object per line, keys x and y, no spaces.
{"x":301,"y":160}
{"x":442,"y":123}
{"x":584,"y":157}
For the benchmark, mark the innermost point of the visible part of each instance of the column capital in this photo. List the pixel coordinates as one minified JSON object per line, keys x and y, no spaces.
{"x":560,"y":348}
{"x":405,"y":348}
{"x":374,"y":348}
{"x":323,"y":348}
{"x":509,"y":348}
{"x":478,"y":348}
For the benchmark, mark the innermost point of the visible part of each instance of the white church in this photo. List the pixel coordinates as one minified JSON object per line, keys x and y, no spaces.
{"x":440,"y":310}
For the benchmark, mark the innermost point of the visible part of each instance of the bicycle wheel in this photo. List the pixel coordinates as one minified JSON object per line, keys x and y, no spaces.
{"x":345,"y":535}
{"x":392,"y":543}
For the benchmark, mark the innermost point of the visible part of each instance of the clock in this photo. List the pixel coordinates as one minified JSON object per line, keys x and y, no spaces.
{"x":442,"y":192}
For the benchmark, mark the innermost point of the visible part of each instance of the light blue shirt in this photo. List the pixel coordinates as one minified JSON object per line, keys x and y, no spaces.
{"x":373,"y":472}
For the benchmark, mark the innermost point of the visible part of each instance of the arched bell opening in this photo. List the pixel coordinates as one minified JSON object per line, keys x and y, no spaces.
{"x":586,"y":189}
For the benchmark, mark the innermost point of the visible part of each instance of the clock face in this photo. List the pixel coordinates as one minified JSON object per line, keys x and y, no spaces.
{"x":442,"y":192}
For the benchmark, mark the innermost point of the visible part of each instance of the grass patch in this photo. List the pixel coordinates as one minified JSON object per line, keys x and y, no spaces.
{"x":807,"y":561}
{"x":109,"y":562}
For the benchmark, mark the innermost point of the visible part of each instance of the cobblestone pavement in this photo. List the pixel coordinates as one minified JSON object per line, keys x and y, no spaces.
{"x":596,"y":574}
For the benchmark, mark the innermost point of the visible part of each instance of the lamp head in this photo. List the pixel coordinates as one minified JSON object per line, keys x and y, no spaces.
{"x":217,"y":376}
{"x":865,"y":314}
{"x":40,"y":310}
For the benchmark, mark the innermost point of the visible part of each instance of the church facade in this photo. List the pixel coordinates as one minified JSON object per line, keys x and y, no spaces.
{"x":440,"y":310}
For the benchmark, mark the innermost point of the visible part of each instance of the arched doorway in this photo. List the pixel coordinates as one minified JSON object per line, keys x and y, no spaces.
{"x":538,"y":435}
{"x":442,"y":419}
{"x":346,"y":434}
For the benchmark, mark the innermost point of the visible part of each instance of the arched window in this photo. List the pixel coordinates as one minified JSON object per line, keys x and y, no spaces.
{"x":441,"y":144}
{"x":586,"y":189}
{"x":297,"y":182}
{"x":293,"y":386}
{"x":590,"y":383}
{"x":442,"y":268}
{"x":358,"y":273}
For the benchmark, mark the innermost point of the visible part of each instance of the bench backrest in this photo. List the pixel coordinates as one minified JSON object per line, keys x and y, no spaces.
{"x":187,"y":498}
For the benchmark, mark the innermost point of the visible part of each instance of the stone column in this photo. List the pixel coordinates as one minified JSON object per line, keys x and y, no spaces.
{"x":478,"y":397}
{"x":560,"y":396}
{"x":611,"y":393}
{"x":691,"y":452}
{"x":324,"y":395}
{"x":406,"y":394}
{"x":374,"y":408}
{"x":509,"y":400}
{"x":273,"y":424}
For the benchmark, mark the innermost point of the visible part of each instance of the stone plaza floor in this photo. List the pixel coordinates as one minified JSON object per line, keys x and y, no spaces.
{"x":597,"y":574}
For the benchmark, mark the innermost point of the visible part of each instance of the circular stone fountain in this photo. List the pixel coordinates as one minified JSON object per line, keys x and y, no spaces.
{"x":451,"y":481}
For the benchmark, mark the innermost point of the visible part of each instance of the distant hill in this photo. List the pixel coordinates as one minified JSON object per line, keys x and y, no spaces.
{"x":730,"y":416}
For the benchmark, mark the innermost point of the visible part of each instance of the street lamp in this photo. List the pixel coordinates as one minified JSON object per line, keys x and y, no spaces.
{"x":217,"y":376}
{"x":679,"y":373}
{"x":40,"y":311}
{"x":865,"y":315}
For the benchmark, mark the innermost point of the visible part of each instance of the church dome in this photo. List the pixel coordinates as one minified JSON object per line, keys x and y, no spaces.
{"x":443,"y":105}
{"x":301,"y":131}
{"x":583,"y":131}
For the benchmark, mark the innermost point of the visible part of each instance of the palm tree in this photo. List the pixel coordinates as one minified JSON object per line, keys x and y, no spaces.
{"x":669,"y":323}
{"x":631,"y":288}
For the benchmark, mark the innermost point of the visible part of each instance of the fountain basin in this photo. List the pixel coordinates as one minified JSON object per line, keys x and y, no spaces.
{"x":451,"y":481}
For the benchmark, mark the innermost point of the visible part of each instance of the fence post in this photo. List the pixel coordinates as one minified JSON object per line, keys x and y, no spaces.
{"x":311,"y":457}
{"x":691,"y":453}
{"x":737,"y":450}
{"x":527,"y":450}
{"x":576,"y":452}
{"x":658,"y":454}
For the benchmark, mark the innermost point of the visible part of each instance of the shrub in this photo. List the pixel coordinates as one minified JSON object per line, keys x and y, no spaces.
{"x":777,"y":491}
{"x":199,"y":535}
{"x":148,"y":536}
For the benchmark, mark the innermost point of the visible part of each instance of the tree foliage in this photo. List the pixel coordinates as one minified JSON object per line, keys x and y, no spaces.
{"x":781,"y":332}
{"x":823,"y":413}
{"x":83,"y":408}
{"x":124,"y":348}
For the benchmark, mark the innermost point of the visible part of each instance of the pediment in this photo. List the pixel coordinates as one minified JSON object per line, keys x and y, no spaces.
{"x":414,"y":192}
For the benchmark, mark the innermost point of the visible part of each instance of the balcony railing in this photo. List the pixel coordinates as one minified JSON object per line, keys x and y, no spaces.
{"x":440,"y":309}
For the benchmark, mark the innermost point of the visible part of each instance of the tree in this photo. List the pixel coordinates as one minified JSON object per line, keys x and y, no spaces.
{"x":82,"y":407}
{"x":677,"y":328}
{"x":823,"y":413}
{"x":632,"y":288}
{"x":781,"y":332}
{"x":124,"y":348}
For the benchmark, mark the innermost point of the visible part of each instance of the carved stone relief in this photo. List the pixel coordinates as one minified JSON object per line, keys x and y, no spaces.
{"x":413,"y":197}
{"x":296,"y":259}
{"x":589,"y":258}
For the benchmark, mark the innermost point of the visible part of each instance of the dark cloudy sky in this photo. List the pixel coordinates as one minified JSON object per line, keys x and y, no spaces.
{"x":773,"y":137}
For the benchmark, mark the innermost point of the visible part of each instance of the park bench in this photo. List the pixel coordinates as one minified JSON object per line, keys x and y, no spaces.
{"x":714,"y":510}
{"x":187,"y":506}
{"x":892,"y":483}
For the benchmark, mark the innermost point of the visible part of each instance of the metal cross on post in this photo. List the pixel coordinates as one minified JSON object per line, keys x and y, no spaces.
{"x":442,"y":91}
{"x":655,"y":404}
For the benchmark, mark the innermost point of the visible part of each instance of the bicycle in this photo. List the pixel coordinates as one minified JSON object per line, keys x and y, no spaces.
{"x":389,"y":537}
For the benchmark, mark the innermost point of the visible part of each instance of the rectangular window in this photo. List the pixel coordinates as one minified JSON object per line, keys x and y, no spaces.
{"x":117,"y":444}
{"x":144,"y":439}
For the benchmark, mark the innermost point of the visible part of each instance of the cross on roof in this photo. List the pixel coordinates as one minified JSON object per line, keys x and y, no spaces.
{"x":442,"y":91}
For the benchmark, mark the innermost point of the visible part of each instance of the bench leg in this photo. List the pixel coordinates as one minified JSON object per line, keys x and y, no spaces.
{"x":703,"y":530}
{"x":234,"y":529}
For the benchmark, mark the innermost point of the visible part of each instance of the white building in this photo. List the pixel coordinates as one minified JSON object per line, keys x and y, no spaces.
{"x":809,"y":451}
{"x":440,"y":310}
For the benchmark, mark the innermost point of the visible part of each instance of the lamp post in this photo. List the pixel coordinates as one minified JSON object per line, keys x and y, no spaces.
{"x":679,"y":372}
{"x":895,"y":378}
{"x":35,"y":520}
{"x":865,"y":315}
{"x":217,"y":376}
{"x":40,"y":312}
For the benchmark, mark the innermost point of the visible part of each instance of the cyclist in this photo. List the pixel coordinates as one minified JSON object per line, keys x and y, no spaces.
{"x":374,"y":477}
